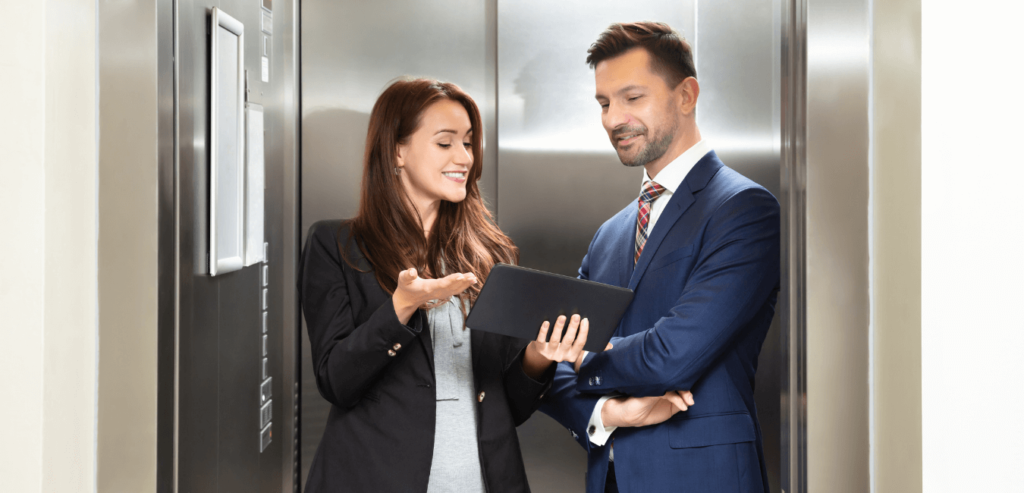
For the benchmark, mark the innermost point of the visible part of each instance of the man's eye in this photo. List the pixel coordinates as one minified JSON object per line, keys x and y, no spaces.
{"x":634,"y":98}
{"x":604,"y":106}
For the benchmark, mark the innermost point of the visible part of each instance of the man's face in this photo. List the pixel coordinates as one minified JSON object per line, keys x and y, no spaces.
{"x":638,"y":110}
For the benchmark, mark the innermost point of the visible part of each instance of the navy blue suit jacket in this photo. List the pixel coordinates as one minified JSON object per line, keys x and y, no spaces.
{"x":706,"y":285}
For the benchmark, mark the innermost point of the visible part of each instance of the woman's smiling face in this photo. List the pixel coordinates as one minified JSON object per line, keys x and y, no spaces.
{"x":436,"y":159}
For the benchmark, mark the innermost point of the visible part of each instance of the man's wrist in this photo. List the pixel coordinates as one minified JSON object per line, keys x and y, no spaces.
{"x":608,"y":414}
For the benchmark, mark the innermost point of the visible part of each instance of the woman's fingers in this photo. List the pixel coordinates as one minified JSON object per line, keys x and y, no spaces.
{"x":580,"y":341}
{"x":570,"y":334}
{"x":407,"y":276}
{"x":542,"y":336}
{"x":556,"y":336}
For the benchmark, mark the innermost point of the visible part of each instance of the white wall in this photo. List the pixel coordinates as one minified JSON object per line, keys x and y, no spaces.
{"x":48,"y":248}
{"x":973,"y":246}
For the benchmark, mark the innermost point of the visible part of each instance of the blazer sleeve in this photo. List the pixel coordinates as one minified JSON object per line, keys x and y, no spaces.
{"x":563,"y":403}
{"x":347,"y":358}
{"x":524,"y":393}
{"x":737,"y":272}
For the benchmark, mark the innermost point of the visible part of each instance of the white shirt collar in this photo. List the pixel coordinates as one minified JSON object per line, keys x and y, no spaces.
{"x":672,"y":175}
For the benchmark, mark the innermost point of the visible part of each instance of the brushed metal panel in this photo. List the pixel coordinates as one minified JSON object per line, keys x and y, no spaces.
{"x":837,"y":91}
{"x":559,"y":177}
{"x":792,"y":297}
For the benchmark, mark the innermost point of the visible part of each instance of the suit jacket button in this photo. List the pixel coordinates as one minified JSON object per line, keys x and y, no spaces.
{"x":396,"y":347}
{"x":392,"y":353}
{"x":592,"y":430}
{"x":480,"y":398}
{"x":591,"y":381}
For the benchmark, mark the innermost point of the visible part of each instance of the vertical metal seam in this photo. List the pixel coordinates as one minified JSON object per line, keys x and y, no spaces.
{"x":794,"y":181}
{"x":176,"y":157}
{"x":297,"y":235}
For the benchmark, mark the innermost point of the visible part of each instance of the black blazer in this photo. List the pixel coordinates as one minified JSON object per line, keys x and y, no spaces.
{"x":380,"y":431}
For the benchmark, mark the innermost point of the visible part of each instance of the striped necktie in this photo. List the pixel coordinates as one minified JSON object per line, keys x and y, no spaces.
{"x":649,"y":194}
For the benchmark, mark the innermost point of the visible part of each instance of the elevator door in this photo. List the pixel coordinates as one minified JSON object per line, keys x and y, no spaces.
{"x":550,"y":174}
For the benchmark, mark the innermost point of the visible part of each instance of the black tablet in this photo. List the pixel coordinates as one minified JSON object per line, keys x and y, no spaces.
{"x":515,"y":301}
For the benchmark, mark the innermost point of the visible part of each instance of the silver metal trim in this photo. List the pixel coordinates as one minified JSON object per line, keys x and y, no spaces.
{"x":792,"y":302}
{"x":219,"y":19}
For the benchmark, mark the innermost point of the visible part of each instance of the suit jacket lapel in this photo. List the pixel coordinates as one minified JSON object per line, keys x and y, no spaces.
{"x":420,"y":319}
{"x":681,"y":200}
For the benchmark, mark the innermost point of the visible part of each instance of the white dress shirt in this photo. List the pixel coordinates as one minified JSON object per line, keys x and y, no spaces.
{"x":669,"y":177}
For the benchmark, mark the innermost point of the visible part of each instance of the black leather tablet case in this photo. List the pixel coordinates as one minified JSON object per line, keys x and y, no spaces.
{"x":516,"y":300}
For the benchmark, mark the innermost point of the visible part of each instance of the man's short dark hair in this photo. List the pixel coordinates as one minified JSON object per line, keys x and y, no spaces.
{"x":670,"y":53}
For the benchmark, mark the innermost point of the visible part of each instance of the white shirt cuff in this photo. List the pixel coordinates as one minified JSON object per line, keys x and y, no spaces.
{"x":597,"y":431}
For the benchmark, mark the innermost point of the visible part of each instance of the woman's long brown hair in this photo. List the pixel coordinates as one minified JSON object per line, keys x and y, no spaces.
{"x":388,"y":228}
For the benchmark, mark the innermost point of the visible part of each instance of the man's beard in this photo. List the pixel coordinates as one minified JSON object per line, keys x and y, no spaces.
{"x":654,"y":149}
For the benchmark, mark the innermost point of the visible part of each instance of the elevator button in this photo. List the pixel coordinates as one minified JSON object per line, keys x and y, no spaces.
{"x":265,"y":437}
{"x":265,"y":300}
{"x":268,"y":23}
{"x":264,"y":371}
{"x":264,"y":322}
{"x":265,"y":414}
{"x":265,"y":391}
{"x":264,"y":345}
{"x":266,"y":275}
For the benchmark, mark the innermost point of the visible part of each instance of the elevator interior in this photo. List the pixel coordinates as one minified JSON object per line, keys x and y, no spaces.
{"x":523,"y":62}
{"x":238,"y":408}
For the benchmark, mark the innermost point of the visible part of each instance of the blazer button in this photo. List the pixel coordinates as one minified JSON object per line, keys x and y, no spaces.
{"x":592,"y":430}
{"x":591,"y":381}
{"x":396,"y":347}
{"x":392,"y":353}
{"x":480,"y":398}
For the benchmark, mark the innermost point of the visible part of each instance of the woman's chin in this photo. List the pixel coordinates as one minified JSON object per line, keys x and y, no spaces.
{"x":456,"y":197}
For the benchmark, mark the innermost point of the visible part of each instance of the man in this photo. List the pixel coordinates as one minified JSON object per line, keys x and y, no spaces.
{"x":700,"y":249}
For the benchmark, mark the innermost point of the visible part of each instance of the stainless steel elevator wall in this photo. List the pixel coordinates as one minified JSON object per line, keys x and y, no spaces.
{"x":217,"y":321}
{"x":553,"y":177}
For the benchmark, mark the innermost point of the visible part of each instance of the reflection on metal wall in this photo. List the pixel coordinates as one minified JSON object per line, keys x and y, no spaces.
{"x":559,"y":177}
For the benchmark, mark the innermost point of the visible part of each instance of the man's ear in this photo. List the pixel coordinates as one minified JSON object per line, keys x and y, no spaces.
{"x":688,"y":91}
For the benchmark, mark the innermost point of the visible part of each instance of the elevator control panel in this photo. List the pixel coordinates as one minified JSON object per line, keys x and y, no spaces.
{"x":265,"y":403}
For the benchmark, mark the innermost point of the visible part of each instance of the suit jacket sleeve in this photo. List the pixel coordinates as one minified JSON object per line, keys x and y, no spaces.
{"x":738,"y":269}
{"x":347,"y":358}
{"x":524,"y":393}
{"x":563,"y":403}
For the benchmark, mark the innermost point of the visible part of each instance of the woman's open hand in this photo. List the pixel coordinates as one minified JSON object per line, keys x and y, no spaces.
{"x":413,"y":291}
{"x":540,"y":354}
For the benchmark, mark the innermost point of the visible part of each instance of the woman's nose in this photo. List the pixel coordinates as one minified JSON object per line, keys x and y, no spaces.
{"x":463,"y":156}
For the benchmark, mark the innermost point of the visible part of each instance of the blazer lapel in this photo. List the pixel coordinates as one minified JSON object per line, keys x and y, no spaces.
{"x":428,"y":344}
{"x":681,"y":200}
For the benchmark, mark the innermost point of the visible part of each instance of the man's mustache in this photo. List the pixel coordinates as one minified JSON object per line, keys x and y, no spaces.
{"x":618,"y":132}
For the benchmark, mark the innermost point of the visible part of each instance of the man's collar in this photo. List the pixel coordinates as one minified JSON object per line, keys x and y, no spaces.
{"x":672,"y":175}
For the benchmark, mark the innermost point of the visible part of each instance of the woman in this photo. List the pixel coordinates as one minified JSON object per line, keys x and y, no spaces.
{"x":420,"y":402}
